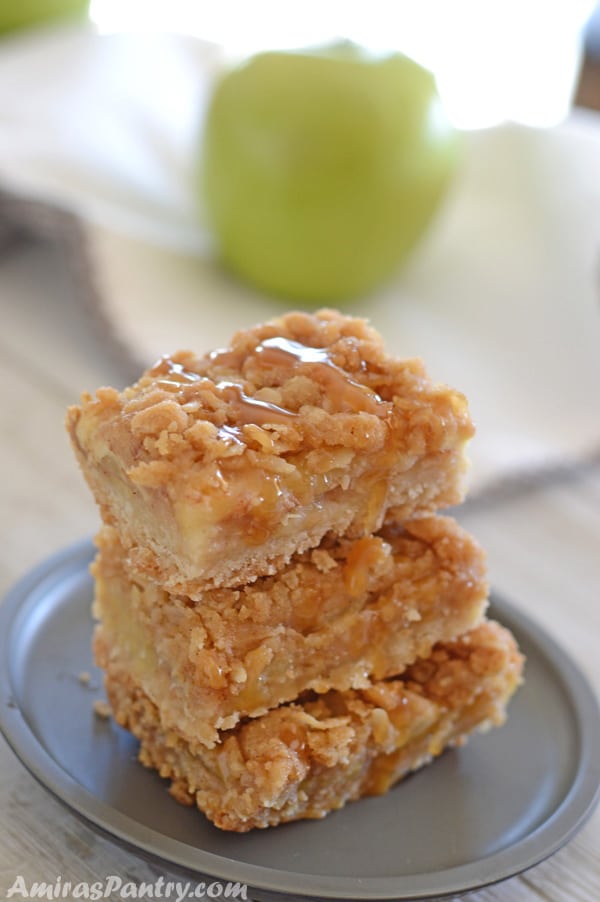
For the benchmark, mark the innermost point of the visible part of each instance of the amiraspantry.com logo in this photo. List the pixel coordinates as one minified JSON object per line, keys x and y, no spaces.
{"x":114,"y":887}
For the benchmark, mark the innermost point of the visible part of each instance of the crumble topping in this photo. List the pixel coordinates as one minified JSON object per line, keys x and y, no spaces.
{"x":298,"y":383}
{"x":102,"y":709}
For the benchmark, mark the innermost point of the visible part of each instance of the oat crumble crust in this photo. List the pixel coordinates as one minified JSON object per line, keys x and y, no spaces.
{"x":215,"y":469}
{"x":339,"y":616}
{"x":305,"y":759}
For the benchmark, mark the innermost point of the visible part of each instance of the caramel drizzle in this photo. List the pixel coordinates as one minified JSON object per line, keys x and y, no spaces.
{"x":281,"y":353}
{"x":247,"y":409}
{"x":318,"y":365}
{"x":226,"y":357}
{"x":252,"y":410}
{"x":173,"y":374}
{"x":230,"y":434}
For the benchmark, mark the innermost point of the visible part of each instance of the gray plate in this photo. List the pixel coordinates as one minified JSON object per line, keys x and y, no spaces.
{"x":476,"y":816}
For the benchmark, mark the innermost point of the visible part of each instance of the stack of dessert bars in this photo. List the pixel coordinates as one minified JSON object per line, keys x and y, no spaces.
{"x":284,"y":621}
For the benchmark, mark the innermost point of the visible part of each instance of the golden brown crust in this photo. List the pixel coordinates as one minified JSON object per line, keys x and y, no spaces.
{"x":305,"y":759}
{"x":339,"y":616}
{"x":304,"y":425}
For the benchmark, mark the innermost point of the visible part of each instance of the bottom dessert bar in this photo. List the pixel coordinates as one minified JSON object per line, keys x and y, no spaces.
{"x":310,"y":757}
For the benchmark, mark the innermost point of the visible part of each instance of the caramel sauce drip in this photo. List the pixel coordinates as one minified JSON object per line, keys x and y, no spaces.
{"x":269,"y":493}
{"x":251,"y":410}
{"x":227,"y":357}
{"x":230,"y":434}
{"x":366,"y":554}
{"x":317,"y":364}
{"x":247,"y":409}
{"x":173,"y":374}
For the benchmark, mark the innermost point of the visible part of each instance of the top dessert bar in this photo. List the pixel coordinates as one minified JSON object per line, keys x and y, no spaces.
{"x":215,"y":470}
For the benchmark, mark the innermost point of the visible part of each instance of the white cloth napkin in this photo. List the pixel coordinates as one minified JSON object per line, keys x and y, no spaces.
{"x":502,"y":299}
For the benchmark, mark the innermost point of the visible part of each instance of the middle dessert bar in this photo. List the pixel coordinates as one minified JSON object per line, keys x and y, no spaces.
{"x":336,"y":617}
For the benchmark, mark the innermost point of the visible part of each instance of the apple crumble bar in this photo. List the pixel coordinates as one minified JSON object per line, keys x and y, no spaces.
{"x":215,"y":470}
{"x":310,"y":757}
{"x":336,"y":617}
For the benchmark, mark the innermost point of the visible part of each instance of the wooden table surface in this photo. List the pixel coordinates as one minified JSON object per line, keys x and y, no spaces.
{"x":543,"y":546}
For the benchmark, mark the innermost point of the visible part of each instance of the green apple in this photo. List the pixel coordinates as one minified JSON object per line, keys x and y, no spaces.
{"x":320,"y":170}
{"x":16,"y":14}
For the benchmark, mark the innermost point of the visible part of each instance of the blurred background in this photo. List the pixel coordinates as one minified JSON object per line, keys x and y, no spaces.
{"x":107,"y":261}
{"x":517,"y":60}
{"x":588,"y":84}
